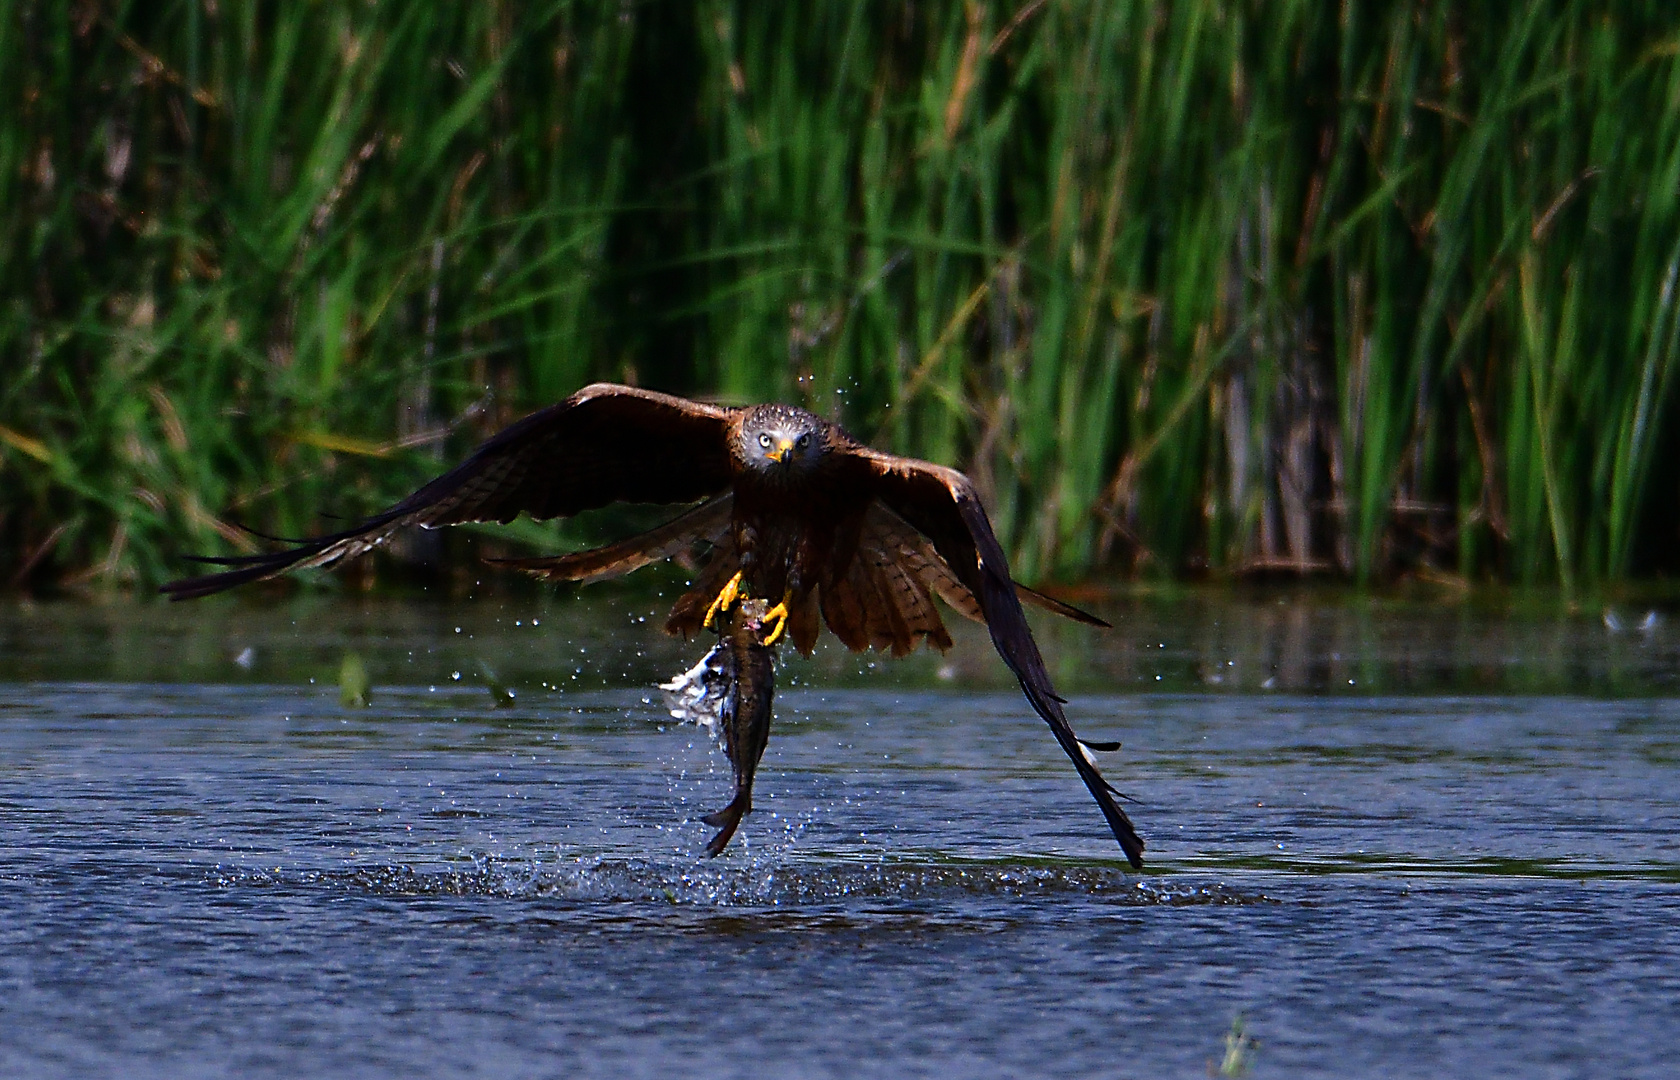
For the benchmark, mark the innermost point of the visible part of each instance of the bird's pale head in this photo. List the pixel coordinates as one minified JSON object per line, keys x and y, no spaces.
{"x":782,"y":440}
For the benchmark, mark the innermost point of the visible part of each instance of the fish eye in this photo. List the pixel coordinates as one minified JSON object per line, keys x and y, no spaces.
{"x":764,"y":439}
{"x":804,"y":440}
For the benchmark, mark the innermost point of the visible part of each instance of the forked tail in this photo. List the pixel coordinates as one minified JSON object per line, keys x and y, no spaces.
{"x":727,"y":820}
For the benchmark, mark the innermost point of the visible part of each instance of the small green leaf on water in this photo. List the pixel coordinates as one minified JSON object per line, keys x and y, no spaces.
{"x":354,"y":689}
{"x":1239,"y":1050}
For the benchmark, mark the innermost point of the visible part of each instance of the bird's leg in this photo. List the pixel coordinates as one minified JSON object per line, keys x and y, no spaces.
{"x":726,"y":598}
{"x":780,"y":614}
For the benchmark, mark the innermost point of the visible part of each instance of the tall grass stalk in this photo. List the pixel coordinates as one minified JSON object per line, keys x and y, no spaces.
{"x":1190,"y":288}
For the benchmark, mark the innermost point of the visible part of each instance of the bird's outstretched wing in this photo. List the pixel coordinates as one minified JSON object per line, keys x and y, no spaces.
{"x":606,"y":443}
{"x":942,"y":505}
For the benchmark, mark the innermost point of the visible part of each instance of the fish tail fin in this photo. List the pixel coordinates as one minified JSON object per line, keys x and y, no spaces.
{"x":726,"y":821}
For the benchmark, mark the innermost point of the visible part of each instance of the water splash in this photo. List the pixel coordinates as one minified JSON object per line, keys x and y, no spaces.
{"x":759,"y":882}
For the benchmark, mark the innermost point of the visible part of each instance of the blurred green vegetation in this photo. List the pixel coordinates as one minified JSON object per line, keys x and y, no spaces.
{"x":1190,"y":288}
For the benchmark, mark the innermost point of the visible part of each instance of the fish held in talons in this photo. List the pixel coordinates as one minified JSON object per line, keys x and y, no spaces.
{"x":730,"y":693}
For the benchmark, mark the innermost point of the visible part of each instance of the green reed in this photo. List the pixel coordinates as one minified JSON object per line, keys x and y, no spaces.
{"x":1207,"y":287}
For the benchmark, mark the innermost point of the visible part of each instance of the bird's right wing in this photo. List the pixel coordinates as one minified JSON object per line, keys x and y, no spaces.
{"x":604,"y":444}
{"x":943,"y":506}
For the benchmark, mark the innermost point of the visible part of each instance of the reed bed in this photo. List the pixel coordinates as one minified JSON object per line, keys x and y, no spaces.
{"x":1201,"y":288}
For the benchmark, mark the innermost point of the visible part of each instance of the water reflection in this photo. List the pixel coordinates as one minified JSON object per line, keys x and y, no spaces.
{"x":1212,"y":641}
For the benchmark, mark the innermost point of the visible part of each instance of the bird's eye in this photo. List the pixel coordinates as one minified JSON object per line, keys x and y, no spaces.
{"x":804,"y":440}
{"x":764,"y":440}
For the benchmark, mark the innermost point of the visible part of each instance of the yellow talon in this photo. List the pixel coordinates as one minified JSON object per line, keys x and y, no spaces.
{"x":726,"y":598}
{"x":780,"y":614}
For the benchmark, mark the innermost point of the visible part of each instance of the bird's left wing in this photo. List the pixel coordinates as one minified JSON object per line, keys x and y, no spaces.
{"x":606,"y":443}
{"x":942,"y":505}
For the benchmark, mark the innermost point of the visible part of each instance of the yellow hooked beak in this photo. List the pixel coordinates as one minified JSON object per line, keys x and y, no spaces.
{"x":783,"y":448}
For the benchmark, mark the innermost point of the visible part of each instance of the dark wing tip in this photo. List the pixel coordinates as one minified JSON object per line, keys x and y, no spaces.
{"x":194,"y":587}
{"x":245,"y":569}
{"x":1101,"y":790}
{"x":1060,"y":607}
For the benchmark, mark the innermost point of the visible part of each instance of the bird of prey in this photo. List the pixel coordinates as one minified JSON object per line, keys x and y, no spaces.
{"x":795,"y":511}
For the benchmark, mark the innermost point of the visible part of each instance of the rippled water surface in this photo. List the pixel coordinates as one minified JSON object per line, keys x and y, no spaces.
{"x":1399,"y":838}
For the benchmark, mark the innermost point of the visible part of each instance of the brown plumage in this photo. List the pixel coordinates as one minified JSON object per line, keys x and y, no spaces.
{"x":799,"y":510}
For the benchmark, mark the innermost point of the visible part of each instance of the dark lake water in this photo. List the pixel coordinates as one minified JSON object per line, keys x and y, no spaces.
{"x":1388,"y":836}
